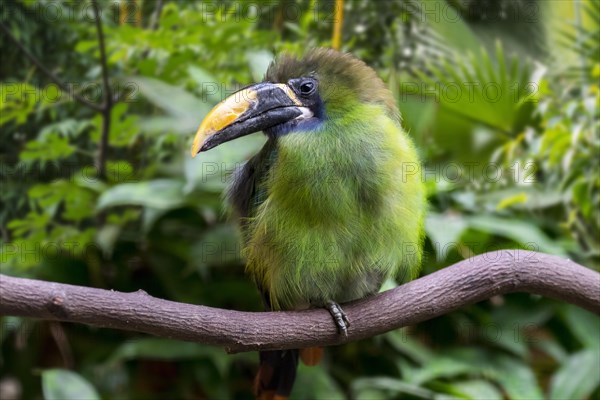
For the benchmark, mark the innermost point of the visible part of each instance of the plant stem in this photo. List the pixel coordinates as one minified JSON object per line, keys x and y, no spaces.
{"x":338,"y":21}
{"x":107,"y":96}
{"x":62,"y":85}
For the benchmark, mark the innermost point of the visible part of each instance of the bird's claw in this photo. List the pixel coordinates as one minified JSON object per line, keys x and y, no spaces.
{"x":339,"y":316}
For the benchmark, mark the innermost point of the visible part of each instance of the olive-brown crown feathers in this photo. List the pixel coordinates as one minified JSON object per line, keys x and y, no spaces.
{"x":338,"y":72}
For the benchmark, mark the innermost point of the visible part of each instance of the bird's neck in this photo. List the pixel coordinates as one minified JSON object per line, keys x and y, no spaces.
{"x":323,"y":174}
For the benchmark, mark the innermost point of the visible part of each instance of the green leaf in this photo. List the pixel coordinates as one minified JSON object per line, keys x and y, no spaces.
{"x":363,"y":386}
{"x":17,"y":101}
{"x":476,"y":390}
{"x":149,"y":216}
{"x":185,"y":109}
{"x":33,"y":221}
{"x":52,"y":148}
{"x":77,"y":201}
{"x":120,"y":172}
{"x":68,"y":127}
{"x":106,"y":238}
{"x":169,"y":350}
{"x":509,"y":325}
{"x":124,"y":126}
{"x":578,"y":376}
{"x":12,"y":254}
{"x":160,"y":349}
{"x":519,"y":198}
{"x":480,"y":92}
{"x":449,"y":25}
{"x":60,"y":384}
{"x":315,"y":383}
{"x":259,"y":61}
{"x":583,"y":324}
{"x":511,"y":339}
{"x":522,"y":232}
{"x":535,"y":199}
{"x":440,"y":367}
{"x":210,"y":171}
{"x":208,"y":84}
{"x":218,"y":246}
{"x":445,"y":231}
{"x":516,"y":378}
{"x":402,"y":342}
{"x":160,"y":193}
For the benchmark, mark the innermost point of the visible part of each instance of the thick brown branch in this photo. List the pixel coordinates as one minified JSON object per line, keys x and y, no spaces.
{"x":436,"y":294}
{"x":62,"y":85}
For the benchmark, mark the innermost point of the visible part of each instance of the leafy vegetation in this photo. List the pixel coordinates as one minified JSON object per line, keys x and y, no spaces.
{"x":501,"y":97}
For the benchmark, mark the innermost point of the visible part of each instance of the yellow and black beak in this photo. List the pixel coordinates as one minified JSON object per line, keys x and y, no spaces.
{"x":255,"y":108}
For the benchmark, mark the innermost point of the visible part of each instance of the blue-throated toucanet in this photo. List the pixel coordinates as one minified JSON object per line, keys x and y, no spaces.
{"x":333,"y":204}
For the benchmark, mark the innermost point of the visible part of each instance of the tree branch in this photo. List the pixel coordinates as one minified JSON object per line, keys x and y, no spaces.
{"x":446,"y":290}
{"x":108,"y":99}
{"x":153,"y":25}
{"x":62,"y":85}
{"x":104,"y":109}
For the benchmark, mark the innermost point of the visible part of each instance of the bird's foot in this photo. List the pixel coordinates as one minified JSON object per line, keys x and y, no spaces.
{"x":339,"y":316}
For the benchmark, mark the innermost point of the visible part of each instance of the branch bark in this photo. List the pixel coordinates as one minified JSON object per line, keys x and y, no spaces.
{"x":446,"y":290}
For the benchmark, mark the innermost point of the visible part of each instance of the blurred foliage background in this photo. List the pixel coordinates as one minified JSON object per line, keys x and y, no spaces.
{"x":501,"y":97}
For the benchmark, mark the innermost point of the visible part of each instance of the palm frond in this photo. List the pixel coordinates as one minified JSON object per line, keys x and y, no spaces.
{"x":584,"y":41}
{"x":493,"y":90}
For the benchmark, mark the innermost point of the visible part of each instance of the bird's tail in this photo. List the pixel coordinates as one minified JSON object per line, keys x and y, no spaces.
{"x":277,"y":371}
{"x":276,"y":374}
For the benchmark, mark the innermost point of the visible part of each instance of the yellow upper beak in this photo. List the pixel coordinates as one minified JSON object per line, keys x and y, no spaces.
{"x":261,"y":105}
{"x":222,"y":115}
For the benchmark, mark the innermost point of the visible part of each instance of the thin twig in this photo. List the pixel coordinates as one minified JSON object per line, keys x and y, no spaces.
{"x":107,"y":97}
{"x":155,"y":17}
{"x":62,"y":85}
{"x":444,"y":291}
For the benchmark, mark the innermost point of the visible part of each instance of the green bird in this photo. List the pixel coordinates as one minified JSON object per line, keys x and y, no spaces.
{"x":333,"y":204}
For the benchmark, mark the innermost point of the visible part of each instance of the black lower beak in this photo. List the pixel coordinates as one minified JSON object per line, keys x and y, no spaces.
{"x":255,"y":108}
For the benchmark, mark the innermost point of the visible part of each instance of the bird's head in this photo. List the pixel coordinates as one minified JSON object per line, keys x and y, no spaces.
{"x":296,"y":95}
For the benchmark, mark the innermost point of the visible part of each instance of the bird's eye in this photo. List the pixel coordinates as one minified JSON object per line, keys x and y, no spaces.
{"x":307,"y":87}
